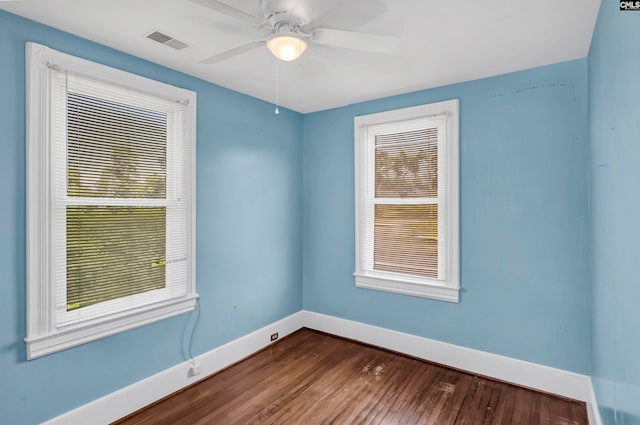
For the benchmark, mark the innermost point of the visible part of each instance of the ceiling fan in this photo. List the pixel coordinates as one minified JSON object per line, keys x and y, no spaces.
{"x":290,"y":27}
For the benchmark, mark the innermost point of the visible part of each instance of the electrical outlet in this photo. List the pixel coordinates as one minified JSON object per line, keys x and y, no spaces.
{"x":274,"y":336}
{"x":194,"y":370}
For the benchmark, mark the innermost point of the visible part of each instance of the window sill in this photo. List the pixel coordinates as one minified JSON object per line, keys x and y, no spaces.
{"x":407,"y":287}
{"x":60,"y":339}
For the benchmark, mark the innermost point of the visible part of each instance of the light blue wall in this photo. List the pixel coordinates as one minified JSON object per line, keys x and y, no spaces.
{"x":248,"y":213}
{"x":614,"y":86}
{"x":524,"y":252}
{"x":265,"y":181}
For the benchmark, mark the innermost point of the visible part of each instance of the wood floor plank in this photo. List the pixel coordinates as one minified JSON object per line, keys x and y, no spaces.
{"x":310,"y":378}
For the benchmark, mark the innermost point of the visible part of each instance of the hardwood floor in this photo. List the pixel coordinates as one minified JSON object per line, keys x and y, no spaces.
{"x":311,"y":378}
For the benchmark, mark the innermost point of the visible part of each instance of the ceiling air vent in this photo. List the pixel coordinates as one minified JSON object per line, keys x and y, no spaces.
{"x":167,"y":40}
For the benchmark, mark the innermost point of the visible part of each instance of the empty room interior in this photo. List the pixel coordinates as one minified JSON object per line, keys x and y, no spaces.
{"x":320,"y":211}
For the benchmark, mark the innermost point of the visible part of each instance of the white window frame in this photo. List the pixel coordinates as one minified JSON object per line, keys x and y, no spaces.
{"x":45,"y":332}
{"x":365,"y":127}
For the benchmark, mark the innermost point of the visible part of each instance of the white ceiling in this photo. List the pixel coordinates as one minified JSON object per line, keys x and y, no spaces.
{"x":440,"y":42}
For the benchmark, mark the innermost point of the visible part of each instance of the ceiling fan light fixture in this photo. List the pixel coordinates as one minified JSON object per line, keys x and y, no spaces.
{"x":286,"y":47}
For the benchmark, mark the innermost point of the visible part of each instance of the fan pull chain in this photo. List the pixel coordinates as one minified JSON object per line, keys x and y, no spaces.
{"x":300,"y":80}
{"x":277,"y":111}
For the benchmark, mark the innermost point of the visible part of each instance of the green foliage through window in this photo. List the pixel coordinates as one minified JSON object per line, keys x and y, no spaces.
{"x":117,"y":151}
{"x":113,"y":252}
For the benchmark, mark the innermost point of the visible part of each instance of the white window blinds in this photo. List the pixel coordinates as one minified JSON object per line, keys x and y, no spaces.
{"x":110,"y":200}
{"x":407,"y":201}
{"x":121,"y":198}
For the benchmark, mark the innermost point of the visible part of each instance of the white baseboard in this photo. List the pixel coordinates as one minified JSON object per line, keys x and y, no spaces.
{"x":526,"y":374}
{"x":592,"y":407}
{"x":134,"y":397}
{"x":129,"y":399}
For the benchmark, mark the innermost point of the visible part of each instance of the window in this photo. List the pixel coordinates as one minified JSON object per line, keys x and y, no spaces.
{"x":110,"y":201}
{"x":407,"y":201}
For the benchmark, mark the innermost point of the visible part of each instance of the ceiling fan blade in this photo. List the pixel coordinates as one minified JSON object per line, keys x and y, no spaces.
{"x":350,"y":15}
{"x":354,"y":40}
{"x":225,"y":9}
{"x":310,"y":10}
{"x":233,"y":52}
